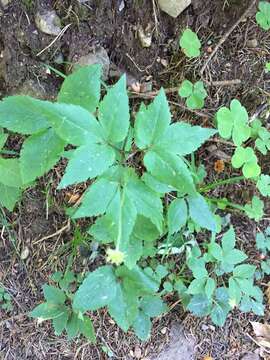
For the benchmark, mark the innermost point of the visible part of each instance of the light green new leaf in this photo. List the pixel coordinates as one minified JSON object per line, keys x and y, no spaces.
{"x":263,"y":15}
{"x":195,"y":94}
{"x":255,"y":209}
{"x":9,"y":196}
{"x":87,"y":162}
{"x":97,"y":290}
{"x":142,"y":326}
{"x":246,"y":157}
{"x":152,"y":306}
{"x":177,"y":215}
{"x":190,"y":43}
{"x":73,"y":326}
{"x":10,"y":174}
{"x":200,"y":212}
{"x":82,"y":88}
{"x":152,"y":121}
{"x":60,"y":322}
{"x":215,"y":250}
{"x":113,"y":112}
{"x":267,"y":67}
{"x":185,"y":89}
{"x":96,"y":199}
{"x":170,"y":169}
{"x":233,"y":123}
{"x":53,"y":295}
{"x":262,"y":143}
{"x":263,"y":185}
{"x":23,"y":114}
{"x":182,"y":139}
{"x":87,"y":329}
{"x":40,"y":152}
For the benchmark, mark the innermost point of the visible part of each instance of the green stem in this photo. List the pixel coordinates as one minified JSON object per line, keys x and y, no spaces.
{"x":215,"y":184}
{"x":227,"y":203}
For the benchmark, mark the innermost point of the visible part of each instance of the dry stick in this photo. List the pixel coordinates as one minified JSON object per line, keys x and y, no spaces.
{"x":226,"y":35}
{"x":54,"y":40}
{"x":66,"y":227}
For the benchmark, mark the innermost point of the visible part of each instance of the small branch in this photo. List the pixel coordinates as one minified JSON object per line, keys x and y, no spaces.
{"x":54,"y":40}
{"x":64,"y":228}
{"x":226,"y":35}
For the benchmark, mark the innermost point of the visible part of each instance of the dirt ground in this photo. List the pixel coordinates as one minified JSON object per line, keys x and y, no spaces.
{"x":39,"y":223}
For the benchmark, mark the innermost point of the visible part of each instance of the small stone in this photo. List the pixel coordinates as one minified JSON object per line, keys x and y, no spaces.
{"x":25,"y":253}
{"x":137,"y":352}
{"x":145,"y":36}
{"x":164,"y":330}
{"x":173,"y":7}
{"x":5,"y":3}
{"x":48,"y":22}
{"x":205,"y":327}
{"x":100,"y":56}
{"x":253,"y":43}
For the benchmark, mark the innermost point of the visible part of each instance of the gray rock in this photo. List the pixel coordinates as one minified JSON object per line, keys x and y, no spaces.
{"x":99,"y":56}
{"x":173,"y":7}
{"x":48,"y":22}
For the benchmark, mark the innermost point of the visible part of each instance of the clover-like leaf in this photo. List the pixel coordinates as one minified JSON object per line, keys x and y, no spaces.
{"x":233,"y":123}
{"x":263,"y":15}
{"x":255,"y":209}
{"x":195,"y":94}
{"x":262,"y":143}
{"x":263,"y":185}
{"x":190,"y":43}
{"x":246,"y":158}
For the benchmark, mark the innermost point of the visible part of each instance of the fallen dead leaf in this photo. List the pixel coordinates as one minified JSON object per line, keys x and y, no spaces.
{"x":262,"y":332}
{"x":267,"y":293}
{"x":208,"y":358}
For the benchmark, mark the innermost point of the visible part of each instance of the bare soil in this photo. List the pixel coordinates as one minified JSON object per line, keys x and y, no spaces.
{"x":39,"y":223}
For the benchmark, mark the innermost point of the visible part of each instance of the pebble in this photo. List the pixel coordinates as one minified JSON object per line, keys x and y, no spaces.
{"x":5,"y":3}
{"x":48,"y":22}
{"x":25,"y":253}
{"x":99,"y":56}
{"x":137,"y":352}
{"x":173,"y":7}
{"x":145,"y":36}
{"x":253,"y":43}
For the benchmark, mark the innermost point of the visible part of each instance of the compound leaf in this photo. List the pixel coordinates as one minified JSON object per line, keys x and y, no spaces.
{"x":255,"y":209}
{"x":200,"y":213}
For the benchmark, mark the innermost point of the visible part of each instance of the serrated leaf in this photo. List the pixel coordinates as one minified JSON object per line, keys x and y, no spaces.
{"x":145,"y":230}
{"x":255,"y":209}
{"x":87,"y":329}
{"x":244,"y":271}
{"x":47,"y":311}
{"x":73,"y":326}
{"x":182,"y":139}
{"x":197,"y":286}
{"x":97,"y":290}
{"x":10,"y":172}
{"x":177,"y":215}
{"x":134,"y":252}
{"x":142,"y":326}
{"x":215,"y":250}
{"x":40,"y":152}
{"x":234,"y":257}
{"x":190,"y":43}
{"x":82,"y":88}
{"x":59,"y":323}
{"x":53,"y":295}
{"x":9,"y":196}
{"x":87,"y":162}
{"x":263,"y":185}
{"x":210,"y":287}
{"x":199,"y":305}
{"x":113,"y":112}
{"x":97,"y":198}
{"x":152,"y":121}
{"x":170,"y":169}
{"x":228,"y":240}
{"x":200,"y":213}
{"x":152,"y":306}
{"x":156,"y":185}
{"x":218,"y":315}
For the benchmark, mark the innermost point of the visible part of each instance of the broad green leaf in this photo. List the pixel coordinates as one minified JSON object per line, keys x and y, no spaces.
{"x":215,"y":250}
{"x":234,"y":257}
{"x":263,"y":185}
{"x":228,"y":240}
{"x":134,"y":251}
{"x":156,"y":185}
{"x":113,"y":112}
{"x":97,"y":290}
{"x":263,"y":242}
{"x":40,"y":152}
{"x":185,"y":89}
{"x":9,"y":196}
{"x":59,"y":323}
{"x":233,"y":123}
{"x":170,"y":169}
{"x":104,"y":230}
{"x":182,"y":138}
{"x":53,"y":295}
{"x":73,"y":326}
{"x":197,"y":266}
{"x":244,"y":271}
{"x":246,"y":157}
{"x":142,"y":326}
{"x":23,"y":114}
{"x":47,"y":311}
{"x":263,"y":15}
{"x":10,"y":172}
{"x":152,"y":306}
{"x":190,"y":43}
{"x":87,"y":329}
{"x":97,"y":198}
{"x":82,"y":88}
{"x":146,"y":201}
{"x":87,"y":162}
{"x":3,"y":138}
{"x":197,"y":286}
{"x":210,"y":287}
{"x":177,"y":215}
{"x":200,"y":213}
{"x":152,"y":121}
{"x":145,"y":230}
{"x":199,"y":305}
{"x":255,"y":209}
{"x":221,"y":308}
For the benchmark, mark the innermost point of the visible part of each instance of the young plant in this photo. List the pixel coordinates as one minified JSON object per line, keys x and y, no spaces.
{"x":267,"y":67}
{"x":190,"y":44}
{"x":5,"y":300}
{"x":263,"y":15}
{"x":194,"y":93}
{"x":263,"y":245}
{"x":58,"y":308}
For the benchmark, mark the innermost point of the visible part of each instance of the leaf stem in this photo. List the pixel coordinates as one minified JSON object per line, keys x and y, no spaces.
{"x":226,"y":202}
{"x":216,"y":184}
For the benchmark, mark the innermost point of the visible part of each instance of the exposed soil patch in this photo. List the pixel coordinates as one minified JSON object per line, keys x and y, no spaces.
{"x":102,"y":23}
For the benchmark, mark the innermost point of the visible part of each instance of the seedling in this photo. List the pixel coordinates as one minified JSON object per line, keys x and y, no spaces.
{"x":194,"y":93}
{"x":246,"y":158}
{"x":263,"y":185}
{"x":263,"y":15}
{"x":190,"y":43}
{"x":267,"y":67}
{"x":263,"y":245}
{"x":255,"y":209}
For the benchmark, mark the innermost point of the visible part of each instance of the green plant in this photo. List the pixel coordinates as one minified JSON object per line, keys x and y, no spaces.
{"x":58,"y":309}
{"x":194,"y":93}
{"x":146,"y":198}
{"x":263,"y":245}
{"x":267,"y":67}
{"x":190,"y":43}
{"x":263,"y":15}
{"x":5,"y":300}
